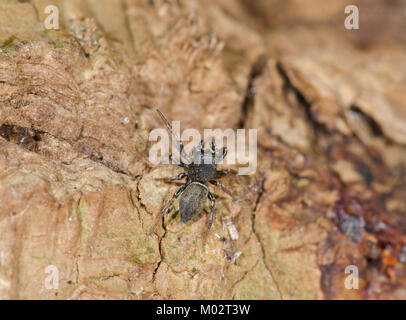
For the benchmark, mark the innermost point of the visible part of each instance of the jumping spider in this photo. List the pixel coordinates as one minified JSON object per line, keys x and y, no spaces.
{"x":198,"y":171}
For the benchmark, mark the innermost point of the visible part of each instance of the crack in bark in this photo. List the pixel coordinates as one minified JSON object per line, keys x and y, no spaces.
{"x":242,"y":278}
{"x":317,"y":126}
{"x":264,"y":261}
{"x":161,"y":255}
{"x":271,"y":272}
{"x":113,"y":275}
{"x":28,"y":138}
{"x":248,"y":102}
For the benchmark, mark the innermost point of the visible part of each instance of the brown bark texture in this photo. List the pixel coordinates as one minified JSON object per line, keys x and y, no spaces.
{"x":79,"y":195}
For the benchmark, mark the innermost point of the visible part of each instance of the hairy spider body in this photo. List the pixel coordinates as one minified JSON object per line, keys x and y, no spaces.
{"x":200,"y":170}
{"x":192,"y":200}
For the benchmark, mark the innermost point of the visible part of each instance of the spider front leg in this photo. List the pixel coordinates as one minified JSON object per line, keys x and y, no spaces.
{"x":179,"y":142}
{"x":221,"y":154}
{"x":182,"y":151}
{"x":218,"y":155}
{"x":198,"y":152}
{"x":213,"y":147}
{"x":177,"y":162}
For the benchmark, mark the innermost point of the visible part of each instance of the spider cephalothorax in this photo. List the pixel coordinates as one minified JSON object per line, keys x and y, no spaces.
{"x":198,"y":171}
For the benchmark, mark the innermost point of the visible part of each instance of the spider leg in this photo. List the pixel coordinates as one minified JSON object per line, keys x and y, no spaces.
{"x":213,"y":147}
{"x":198,"y":152}
{"x":221,"y":154}
{"x":179,"y":142}
{"x":220,"y":185}
{"x":221,"y":173}
{"x":213,"y":206}
{"x":178,"y":177}
{"x":169,"y":204}
{"x":177,"y":162}
{"x":174,"y":197}
{"x":183,"y":152}
{"x":201,"y":145}
{"x":207,"y":156}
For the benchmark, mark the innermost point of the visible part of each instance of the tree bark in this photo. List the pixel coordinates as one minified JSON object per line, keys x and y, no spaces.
{"x":79,"y":197}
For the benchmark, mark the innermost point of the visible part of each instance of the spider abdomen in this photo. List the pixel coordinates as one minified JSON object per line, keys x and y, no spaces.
{"x":192,"y":200}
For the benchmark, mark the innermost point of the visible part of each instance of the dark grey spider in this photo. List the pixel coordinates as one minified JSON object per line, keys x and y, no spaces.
{"x":198,"y":171}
